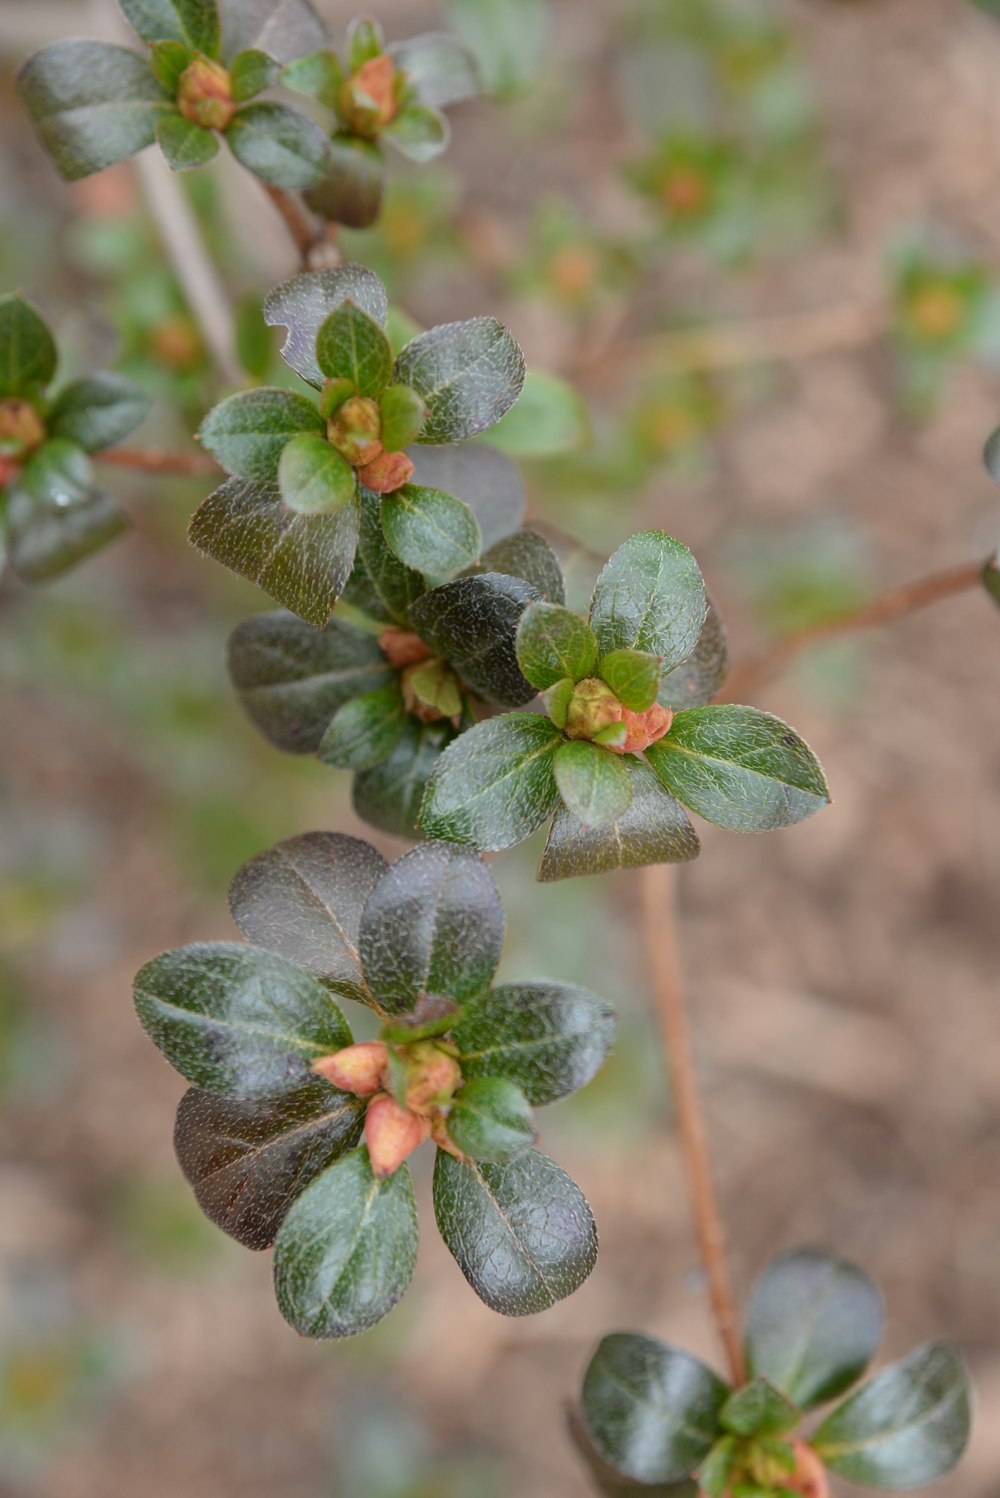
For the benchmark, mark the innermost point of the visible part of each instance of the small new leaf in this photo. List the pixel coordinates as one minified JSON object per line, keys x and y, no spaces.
{"x":593,"y":782}
{"x":248,"y":432}
{"x":351,"y":346}
{"x":490,"y":1119}
{"x":760,"y":1409}
{"x":553,"y":643}
{"x":633,"y":676}
{"x":549,"y":1038}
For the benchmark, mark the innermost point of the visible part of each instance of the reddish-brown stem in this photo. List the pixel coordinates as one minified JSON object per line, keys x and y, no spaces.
{"x":312,"y":242}
{"x":663,"y":954}
{"x":895,"y":604}
{"x":154,"y":460}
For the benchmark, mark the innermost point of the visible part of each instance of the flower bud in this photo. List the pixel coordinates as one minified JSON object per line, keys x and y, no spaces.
{"x":643,"y":729}
{"x":355,"y":430}
{"x":386,"y":473}
{"x":431,"y":691}
{"x":205,"y":95}
{"x":443,"y":1140}
{"x":432,"y":1076}
{"x":360,"y":1069}
{"x":21,"y":429}
{"x":403,"y":647}
{"x":368,"y":100}
{"x":593,"y":706}
{"x":391,"y":1133}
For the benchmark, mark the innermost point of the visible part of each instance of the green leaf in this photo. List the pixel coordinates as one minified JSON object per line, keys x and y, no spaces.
{"x":92,"y":103}
{"x":303,"y":561}
{"x":510,"y":40}
{"x":250,"y":73}
{"x":389,"y":796}
{"x":528,"y":556}
{"x":365,"y":40}
{"x":314,"y":479}
{"x":419,"y":131}
{"x":291,"y":678}
{"x":549,"y":1038}
{"x":650,"y":596}
{"x":472,"y":623}
{"x":169,"y":60}
{"x":739,"y":768}
{"x":550,"y":419}
{"x":698,"y":679}
{"x":612,"y":1484}
{"x":380,"y":585}
{"x":488,"y":482}
{"x":554,"y":643}
{"x":654,"y":829}
{"x":813,"y":1325}
{"x":281,"y":146}
{"x":429,"y":530}
{"x":490,"y":1119}
{"x":402,"y":413}
{"x":594,"y":783}
{"x":438,"y":69}
{"x":62,"y":522}
{"x":633,"y":676}
{"x":760,"y":1409}
{"x":97,"y":411}
{"x":318,"y":75}
{"x":468,"y":374}
{"x":907,"y":1426}
{"x":248,"y":432}
{"x":494,"y":785}
{"x":715,"y":1471}
{"x":303,"y":304}
{"x":282,"y":28}
{"x":434,"y":925}
{"x":193,"y":23}
{"x":521,"y":1232}
{"x":184,"y":144}
{"x":248,"y":1161}
{"x":991,"y":577}
{"x":351,"y":191}
{"x":28,"y":354}
{"x":366,"y":730}
{"x":237,"y":1020}
{"x":351,"y":346}
{"x":303,"y":899}
{"x":651,"y":1410}
{"x":347,"y":1249}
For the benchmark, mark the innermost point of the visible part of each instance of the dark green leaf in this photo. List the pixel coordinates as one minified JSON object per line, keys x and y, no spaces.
{"x":468,"y":373}
{"x":991,"y":455}
{"x":92,"y":103}
{"x":991,"y":577}
{"x":488,"y":482}
{"x":46,"y":537}
{"x":291,"y":678}
{"x":434,"y":925}
{"x":438,"y":68}
{"x":528,"y":556}
{"x":381,"y":586}
{"x":550,"y":418}
{"x":250,"y":73}
{"x":760,"y":1409}
{"x":907,"y":1426}
{"x":366,"y":730}
{"x":303,"y":561}
{"x":303,"y":899}
{"x":553,"y":643}
{"x":279,"y":145}
{"x":184,"y":144}
{"x":282,"y":28}
{"x":248,"y":1161}
{"x":402,"y":413}
{"x":651,"y":1410}
{"x":549,"y":1038}
{"x":655,"y":829}
{"x":419,"y":131}
{"x":490,"y":1119}
{"x":593,"y":782}
{"x":471,"y":623}
{"x":650,"y":596}
{"x":429,"y":530}
{"x":350,"y":345}
{"x":521,"y":1232}
{"x":495,"y":784}
{"x":237,"y":1020}
{"x":27,"y":349}
{"x":698,"y":679}
{"x":318,"y":75}
{"x":346,"y":1250}
{"x":612,"y":1484}
{"x":194,"y":23}
{"x":248,"y":432}
{"x":314,"y":479}
{"x":303,"y":304}
{"x":351,"y":191}
{"x":739,"y":768}
{"x":813,"y":1325}
{"x":97,"y":411}
{"x":633,"y":676}
{"x":389,"y":797}
{"x":364,"y":41}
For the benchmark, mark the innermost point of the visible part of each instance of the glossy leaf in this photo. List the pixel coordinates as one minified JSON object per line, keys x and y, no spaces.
{"x":250,"y":73}
{"x":594,"y":783}
{"x":651,"y":1410}
{"x":468,"y":374}
{"x":813,"y":1325}
{"x":380,"y":585}
{"x":907,"y":1426}
{"x":389,"y":797}
{"x":346,"y":1250}
{"x":314,"y":479}
{"x":291,"y":678}
{"x":654,"y":829}
{"x":760,"y":1409}
{"x":650,"y":596}
{"x":739,"y":768}
{"x":490,"y":1119}
{"x":248,"y":1161}
{"x":611,"y":1484}
{"x":303,"y":304}
{"x":488,"y":482}
{"x":521,"y":1232}
{"x":633,"y":676}
{"x":429,"y":530}
{"x":279,"y":145}
{"x":528,"y":556}
{"x":28,"y":354}
{"x":549,"y":1038}
{"x":303,"y":561}
{"x":350,"y":345}
{"x":553,"y":643}
{"x":303,"y":899}
{"x":550,"y":418}
{"x":366,"y":730}
{"x":237,"y":1020}
{"x":434,"y":925}
{"x":698,"y":679}
{"x":351,"y":191}
{"x":282,"y":28}
{"x":419,"y":131}
{"x":472,"y":623}
{"x":248,"y":432}
{"x":402,"y":413}
{"x":98,"y":411}
{"x":494,"y":785}
{"x":194,"y":23}
{"x":438,"y":68}
{"x":92,"y":103}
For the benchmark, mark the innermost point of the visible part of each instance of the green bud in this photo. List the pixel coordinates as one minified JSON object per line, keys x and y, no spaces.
{"x":355,"y":430}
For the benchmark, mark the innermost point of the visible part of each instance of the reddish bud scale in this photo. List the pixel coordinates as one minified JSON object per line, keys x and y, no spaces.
{"x":391,"y":1134}
{"x":402,"y":647}
{"x":808,"y":1477}
{"x":21,"y":429}
{"x":433,"y":1076}
{"x":205,"y":94}
{"x":644,"y":728}
{"x":369,"y":98}
{"x":386,"y":473}
{"x":361,"y":1069}
{"x":594,"y":708}
{"x":355,"y":430}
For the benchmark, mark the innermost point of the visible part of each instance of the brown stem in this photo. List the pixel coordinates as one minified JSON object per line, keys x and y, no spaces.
{"x":316,"y":246}
{"x":659,"y":919}
{"x":895,"y":604}
{"x":154,"y":460}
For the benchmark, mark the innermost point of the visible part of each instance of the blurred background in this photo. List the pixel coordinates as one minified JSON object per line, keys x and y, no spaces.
{"x":764,"y":242}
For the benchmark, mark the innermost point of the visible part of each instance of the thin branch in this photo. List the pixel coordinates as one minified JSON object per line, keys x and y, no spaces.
{"x":305,"y":236}
{"x":895,"y":604}
{"x":660,"y":927}
{"x":155,"y":460}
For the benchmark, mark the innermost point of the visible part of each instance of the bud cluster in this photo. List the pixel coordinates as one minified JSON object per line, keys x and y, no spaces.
{"x":594,"y":712}
{"x":354,"y":428}
{"x":205,"y":94}
{"x":431,"y":689}
{"x":369,"y":99}
{"x":21,"y":431}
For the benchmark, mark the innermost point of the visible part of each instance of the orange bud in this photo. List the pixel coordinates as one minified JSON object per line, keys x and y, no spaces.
{"x":386,"y":473}
{"x":443,"y":1140}
{"x":391,"y":1133}
{"x":360,"y":1069}
{"x":643,"y":728}
{"x":355,"y":430}
{"x":21,"y":428}
{"x":368,"y":98}
{"x":809,"y":1477}
{"x":432,"y":1076}
{"x":593,"y":706}
{"x":205,"y":95}
{"x":402,"y":646}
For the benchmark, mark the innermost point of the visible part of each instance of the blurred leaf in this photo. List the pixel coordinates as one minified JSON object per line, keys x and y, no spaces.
{"x":510,"y":40}
{"x":318,"y":74}
{"x":991,"y":577}
{"x":194,"y":23}
{"x":279,"y":145}
{"x":28,"y":355}
{"x":468,"y":374}
{"x":549,"y":1038}
{"x":654,"y":829}
{"x":364,"y":731}
{"x":184,"y":144}
{"x":248,"y":432}
{"x":419,"y":131}
{"x":550,"y":418}
{"x":250,"y":73}
{"x":98,"y":411}
{"x":54,"y":517}
{"x":389,"y":796}
{"x":363,"y":42}
{"x":437,"y":67}
{"x":303,"y":304}
{"x":760,"y":1409}
{"x":282,"y":28}
{"x":494,"y":785}
{"x":351,"y":191}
